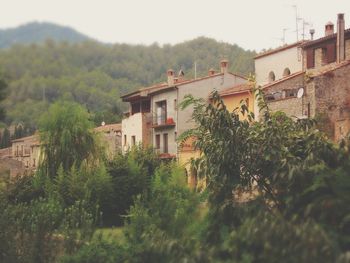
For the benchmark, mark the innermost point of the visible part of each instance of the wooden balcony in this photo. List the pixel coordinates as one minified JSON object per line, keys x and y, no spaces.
{"x":162,"y":122}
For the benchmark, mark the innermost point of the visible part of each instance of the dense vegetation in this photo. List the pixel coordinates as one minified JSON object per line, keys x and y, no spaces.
{"x":277,"y":191}
{"x":95,"y":75}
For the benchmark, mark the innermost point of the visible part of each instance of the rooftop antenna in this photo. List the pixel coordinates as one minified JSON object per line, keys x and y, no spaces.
{"x":284,"y":35}
{"x":296,"y":21}
{"x":304,"y":27}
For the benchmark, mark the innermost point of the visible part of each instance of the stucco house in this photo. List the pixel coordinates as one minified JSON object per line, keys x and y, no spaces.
{"x":154,"y":117}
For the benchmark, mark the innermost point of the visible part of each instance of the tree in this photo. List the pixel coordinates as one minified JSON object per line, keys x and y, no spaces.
{"x":3,"y":93}
{"x":67,"y":138}
{"x":5,"y":138}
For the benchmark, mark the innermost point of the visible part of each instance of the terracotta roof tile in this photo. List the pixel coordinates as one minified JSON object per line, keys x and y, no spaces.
{"x":163,"y":86}
{"x":237,"y":89}
{"x":109,"y":127}
{"x":279,"y":49}
{"x":325,"y":38}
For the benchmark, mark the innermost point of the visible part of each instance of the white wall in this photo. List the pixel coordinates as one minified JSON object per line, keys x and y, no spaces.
{"x":131,"y":126}
{"x":289,"y":58}
{"x":170,"y":96}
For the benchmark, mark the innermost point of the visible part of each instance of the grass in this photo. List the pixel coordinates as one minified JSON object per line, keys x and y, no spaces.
{"x":110,"y":234}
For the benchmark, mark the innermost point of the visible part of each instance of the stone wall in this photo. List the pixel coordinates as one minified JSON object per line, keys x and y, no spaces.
{"x":332,"y":98}
{"x":347,"y":49}
{"x":292,"y":106}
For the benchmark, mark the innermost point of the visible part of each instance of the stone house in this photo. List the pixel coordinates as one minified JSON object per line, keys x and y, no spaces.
{"x":27,"y":151}
{"x":112,"y":137}
{"x":321,"y":88}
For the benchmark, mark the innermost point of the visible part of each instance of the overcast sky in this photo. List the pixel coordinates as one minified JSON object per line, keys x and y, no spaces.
{"x":252,"y":24}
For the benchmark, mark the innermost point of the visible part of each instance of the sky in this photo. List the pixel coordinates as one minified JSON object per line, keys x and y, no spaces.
{"x":251,"y":24}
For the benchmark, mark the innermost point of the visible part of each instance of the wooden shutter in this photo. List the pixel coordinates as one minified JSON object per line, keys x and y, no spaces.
{"x":310,"y":58}
{"x":331,"y":53}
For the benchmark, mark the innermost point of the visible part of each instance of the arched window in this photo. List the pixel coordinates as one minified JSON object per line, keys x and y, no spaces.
{"x":272,"y":77}
{"x":286,"y":72}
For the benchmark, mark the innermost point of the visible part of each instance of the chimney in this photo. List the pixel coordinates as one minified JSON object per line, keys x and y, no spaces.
{"x":312,"y":32}
{"x":224,"y":65}
{"x":329,"y":29}
{"x":211,"y":72}
{"x":170,"y":74}
{"x":340,"y":38}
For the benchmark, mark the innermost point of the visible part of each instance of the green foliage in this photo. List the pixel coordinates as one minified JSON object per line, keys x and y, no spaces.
{"x":296,"y":173}
{"x":5,"y":139}
{"x":95,"y":75}
{"x":67,"y":138}
{"x":160,"y":223}
{"x":131,"y":175}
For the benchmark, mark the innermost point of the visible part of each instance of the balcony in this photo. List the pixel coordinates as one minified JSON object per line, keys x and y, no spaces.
{"x":162,"y":121}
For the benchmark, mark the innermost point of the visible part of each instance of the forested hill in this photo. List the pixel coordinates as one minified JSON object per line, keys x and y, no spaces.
{"x":95,"y":75}
{"x":36,"y":32}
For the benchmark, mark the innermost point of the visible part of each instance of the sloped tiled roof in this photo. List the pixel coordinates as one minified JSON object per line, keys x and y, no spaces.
{"x":109,"y":127}
{"x":291,"y":76}
{"x":245,"y":87}
{"x":163,"y":86}
{"x":279,"y":49}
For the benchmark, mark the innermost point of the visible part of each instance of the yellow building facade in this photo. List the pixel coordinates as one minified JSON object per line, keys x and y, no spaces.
{"x":232,"y":98}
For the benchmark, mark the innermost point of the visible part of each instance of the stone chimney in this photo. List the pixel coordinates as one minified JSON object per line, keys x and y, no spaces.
{"x":224,"y":66}
{"x":329,"y":29}
{"x":171,"y":77}
{"x":340,"y":38}
{"x":211,"y":72}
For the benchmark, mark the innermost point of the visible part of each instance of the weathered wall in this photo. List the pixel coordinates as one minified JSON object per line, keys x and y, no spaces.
{"x":292,"y":106}
{"x":289,"y":58}
{"x":131,"y":126}
{"x":202,"y":89}
{"x":332,"y":98}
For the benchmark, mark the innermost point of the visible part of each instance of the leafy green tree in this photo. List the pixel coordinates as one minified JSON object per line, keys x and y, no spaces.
{"x":67,"y":138}
{"x":5,"y":138}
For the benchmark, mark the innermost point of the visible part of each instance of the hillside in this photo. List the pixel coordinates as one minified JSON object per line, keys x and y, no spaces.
{"x":95,"y":75}
{"x":36,"y":32}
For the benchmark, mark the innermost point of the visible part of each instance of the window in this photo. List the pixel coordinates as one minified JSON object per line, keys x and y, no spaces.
{"x":175,"y":136}
{"x":165,"y":142}
{"x":310,"y":58}
{"x":125,"y":139}
{"x":33,"y":162}
{"x":146,"y":106}
{"x":161,"y":112}
{"x":272,"y":77}
{"x":286,"y":72}
{"x":157,"y":141}
{"x":133,"y":140}
{"x":135,"y":107}
{"x":328,"y":54}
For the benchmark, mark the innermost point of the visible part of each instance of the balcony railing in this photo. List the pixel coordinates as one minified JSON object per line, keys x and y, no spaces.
{"x":162,"y":121}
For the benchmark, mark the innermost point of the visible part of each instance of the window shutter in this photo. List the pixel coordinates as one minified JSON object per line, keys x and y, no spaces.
{"x":331,"y":53}
{"x":310,"y":58}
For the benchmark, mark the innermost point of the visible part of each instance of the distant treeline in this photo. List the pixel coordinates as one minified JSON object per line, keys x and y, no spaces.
{"x":95,"y":75}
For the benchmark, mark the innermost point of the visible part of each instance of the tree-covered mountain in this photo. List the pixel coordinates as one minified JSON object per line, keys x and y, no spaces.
{"x":36,"y":32}
{"x":95,"y":75}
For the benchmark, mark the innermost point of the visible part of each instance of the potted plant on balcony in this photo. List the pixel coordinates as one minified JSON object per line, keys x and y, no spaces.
{"x":170,"y":120}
